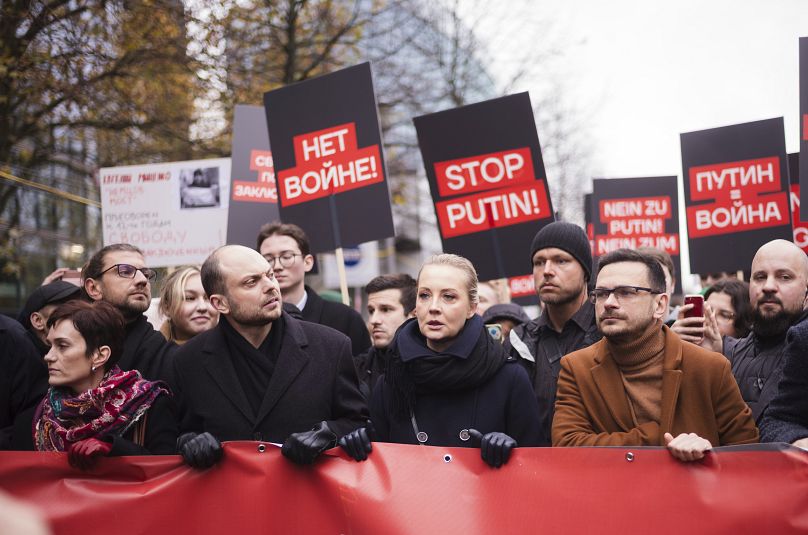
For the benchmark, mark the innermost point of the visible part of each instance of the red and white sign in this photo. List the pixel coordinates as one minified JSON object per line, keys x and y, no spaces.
{"x":523,"y":286}
{"x":635,"y":222}
{"x":747,"y":196}
{"x":498,"y":189}
{"x":329,"y":162}
{"x":264,"y":190}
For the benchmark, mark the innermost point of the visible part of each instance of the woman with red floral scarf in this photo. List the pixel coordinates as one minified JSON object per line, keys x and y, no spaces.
{"x":92,"y":407}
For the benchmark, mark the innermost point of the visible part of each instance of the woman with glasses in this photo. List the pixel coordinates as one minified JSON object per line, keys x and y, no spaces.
{"x":729,"y":300}
{"x":186,"y":306}
{"x":93,"y":408}
{"x":117,"y":274}
{"x":449,"y":383}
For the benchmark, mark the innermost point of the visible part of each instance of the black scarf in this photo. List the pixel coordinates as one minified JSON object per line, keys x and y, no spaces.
{"x":414,"y":369}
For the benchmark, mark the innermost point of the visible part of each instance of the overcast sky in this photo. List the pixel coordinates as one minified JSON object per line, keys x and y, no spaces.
{"x":642,"y":72}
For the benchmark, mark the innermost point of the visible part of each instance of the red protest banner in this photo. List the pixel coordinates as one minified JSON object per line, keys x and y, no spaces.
{"x":329,"y":162}
{"x":484,"y":172}
{"x":523,"y":286}
{"x":493,"y":209}
{"x":422,"y":489}
{"x":747,"y":194}
{"x":636,"y":222}
{"x":264,"y":190}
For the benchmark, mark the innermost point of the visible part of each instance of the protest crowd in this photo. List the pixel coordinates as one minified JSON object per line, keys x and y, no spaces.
{"x":250,"y":352}
{"x":246,"y":349}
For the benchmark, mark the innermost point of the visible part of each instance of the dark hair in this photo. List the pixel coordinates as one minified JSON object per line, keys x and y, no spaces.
{"x":738,"y":292}
{"x":95,"y":265}
{"x":284,"y":229}
{"x":660,"y":256}
{"x":656,"y":277}
{"x":211,"y":274}
{"x":99,"y":323}
{"x":398,"y":281}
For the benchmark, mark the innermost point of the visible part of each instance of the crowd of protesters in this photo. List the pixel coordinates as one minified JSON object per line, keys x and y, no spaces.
{"x":248,"y":351}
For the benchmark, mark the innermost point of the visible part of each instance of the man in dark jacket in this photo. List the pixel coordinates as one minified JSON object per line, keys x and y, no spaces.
{"x":118,"y":275}
{"x":562,"y":265}
{"x":286,"y":247}
{"x":786,"y":418}
{"x":777,"y":292}
{"x":23,"y":378}
{"x":261,"y":374}
{"x":39,"y":306}
{"x":391,"y":300}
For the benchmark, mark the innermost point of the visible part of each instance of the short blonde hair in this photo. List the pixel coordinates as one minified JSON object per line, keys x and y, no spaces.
{"x":461,"y":263}
{"x":172,"y":294}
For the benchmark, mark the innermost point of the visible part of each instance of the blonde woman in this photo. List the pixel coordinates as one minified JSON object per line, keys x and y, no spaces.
{"x":185,"y":306}
{"x":448,"y":382}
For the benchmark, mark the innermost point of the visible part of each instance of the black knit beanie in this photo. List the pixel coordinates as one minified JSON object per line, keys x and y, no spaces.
{"x":568,"y":237}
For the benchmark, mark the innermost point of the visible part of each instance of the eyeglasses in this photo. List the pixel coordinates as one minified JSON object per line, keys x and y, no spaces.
{"x":129,"y":271}
{"x":623,"y":294}
{"x":286,"y":259}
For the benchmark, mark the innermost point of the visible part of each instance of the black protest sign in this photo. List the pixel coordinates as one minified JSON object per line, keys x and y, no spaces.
{"x":799,"y":226}
{"x":589,"y":224}
{"x":736,"y":193}
{"x":253,"y":195}
{"x":636,"y":212}
{"x":803,"y":164}
{"x":327,"y":148}
{"x":488,"y":183}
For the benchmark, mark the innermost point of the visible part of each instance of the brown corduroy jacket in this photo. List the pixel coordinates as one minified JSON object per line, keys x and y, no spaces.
{"x":699,"y":395}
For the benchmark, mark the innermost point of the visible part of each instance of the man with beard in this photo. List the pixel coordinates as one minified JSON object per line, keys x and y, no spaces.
{"x":562,"y":265}
{"x":261,"y":374}
{"x":391,"y":300}
{"x":642,"y":385}
{"x":118,"y":275}
{"x":777,"y":291}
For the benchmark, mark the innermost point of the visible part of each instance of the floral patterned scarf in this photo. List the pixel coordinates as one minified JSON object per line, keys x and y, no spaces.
{"x":109,"y":409}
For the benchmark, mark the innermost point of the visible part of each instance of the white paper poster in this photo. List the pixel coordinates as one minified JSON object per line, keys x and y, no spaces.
{"x":175,"y":212}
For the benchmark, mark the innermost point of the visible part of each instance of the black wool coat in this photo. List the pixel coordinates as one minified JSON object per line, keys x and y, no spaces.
{"x":23,"y":377}
{"x":504,"y":403}
{"x":340,"y":317}
{"x":314,"y":380}
{"x":147,"y":351}
{"x":786,"y":418}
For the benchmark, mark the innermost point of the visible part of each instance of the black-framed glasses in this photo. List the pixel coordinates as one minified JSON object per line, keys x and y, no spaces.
{"x":623,"y":294}
{"x":287,"y":259}
{"x":128,"y":271}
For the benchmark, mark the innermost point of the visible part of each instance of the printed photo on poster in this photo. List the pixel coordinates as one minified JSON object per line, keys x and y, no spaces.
{"x":199,"y":188}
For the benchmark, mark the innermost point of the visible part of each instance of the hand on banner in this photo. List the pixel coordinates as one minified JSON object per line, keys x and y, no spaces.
{"x":199,"y":451}
{"x":303,"y":448}
{"x":687,"y":446}
{"x":84,"y":453}
{"x":495,"y":448}
{"x":712,"y":336}
{"x":357,"y":443}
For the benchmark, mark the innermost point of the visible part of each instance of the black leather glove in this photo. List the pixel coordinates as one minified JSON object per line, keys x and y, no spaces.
{"x":199,"y":451}
{"x":495,"y":448}
{"x":357,"y":444}
{"x":303,"y":448}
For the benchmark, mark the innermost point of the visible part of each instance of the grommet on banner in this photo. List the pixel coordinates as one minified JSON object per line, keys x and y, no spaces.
{"x":629,"y":456}
{"x":447,"y":458}
{"x":464,"y":435}
{"x":262,"y":448}
{"x":422,"y":437}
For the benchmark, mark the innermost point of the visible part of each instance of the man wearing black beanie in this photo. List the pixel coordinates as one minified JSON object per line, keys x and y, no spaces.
{"x":562,"y":265}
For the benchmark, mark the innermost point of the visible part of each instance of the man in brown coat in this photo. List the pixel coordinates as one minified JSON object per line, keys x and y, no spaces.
{"x":641,"y":385}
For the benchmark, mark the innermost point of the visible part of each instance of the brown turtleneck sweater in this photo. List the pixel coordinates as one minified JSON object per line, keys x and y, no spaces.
{"x":640,"y":364}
